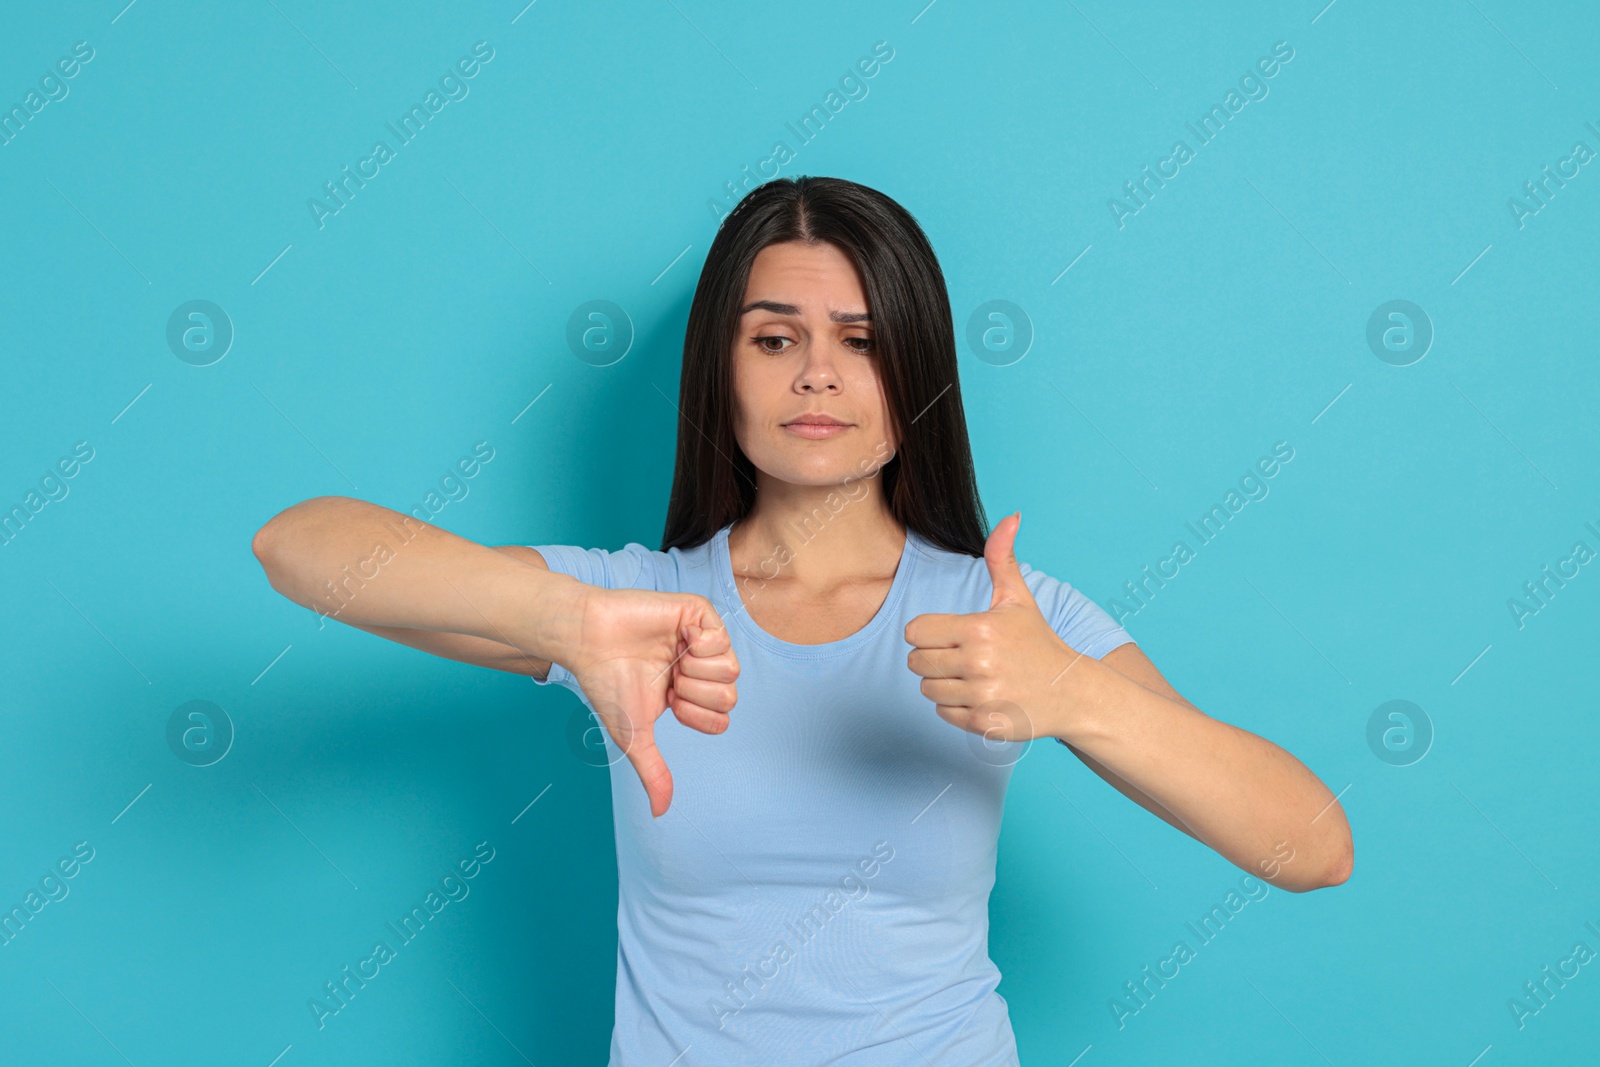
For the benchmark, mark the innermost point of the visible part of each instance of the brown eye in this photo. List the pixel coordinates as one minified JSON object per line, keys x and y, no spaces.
{"x":867,"y":344}
{"x":761,"y":343}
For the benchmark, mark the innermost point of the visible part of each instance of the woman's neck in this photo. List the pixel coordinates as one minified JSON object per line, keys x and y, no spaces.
{"x":817,"y":536}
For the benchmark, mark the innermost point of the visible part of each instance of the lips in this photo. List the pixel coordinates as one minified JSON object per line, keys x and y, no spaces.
{"x":816,"y":420}
{"x":816,"y":426}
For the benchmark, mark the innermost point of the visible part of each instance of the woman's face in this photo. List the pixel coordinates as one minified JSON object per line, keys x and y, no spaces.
{"x":805,"y":347}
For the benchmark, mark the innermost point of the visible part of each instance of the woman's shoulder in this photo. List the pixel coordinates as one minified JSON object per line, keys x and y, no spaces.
{"x":633,"y":566}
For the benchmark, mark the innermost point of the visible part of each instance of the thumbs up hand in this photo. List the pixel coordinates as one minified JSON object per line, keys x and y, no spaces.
{"x":1003,"y":673}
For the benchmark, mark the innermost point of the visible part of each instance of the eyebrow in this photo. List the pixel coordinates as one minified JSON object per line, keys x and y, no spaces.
{"x":790,"y":309}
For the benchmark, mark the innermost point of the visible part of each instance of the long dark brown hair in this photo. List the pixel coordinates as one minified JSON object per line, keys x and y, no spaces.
{"x":929,"y":484}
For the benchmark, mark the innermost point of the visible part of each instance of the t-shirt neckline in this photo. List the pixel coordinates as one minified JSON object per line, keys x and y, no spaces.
{"x":723,"y":562}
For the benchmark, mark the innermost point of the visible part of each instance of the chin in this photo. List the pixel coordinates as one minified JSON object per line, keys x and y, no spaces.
{"x":815,"y":470}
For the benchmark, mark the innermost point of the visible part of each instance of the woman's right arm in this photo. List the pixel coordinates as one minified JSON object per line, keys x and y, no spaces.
{"x":416,"y":584}
{"x":633,"y":652}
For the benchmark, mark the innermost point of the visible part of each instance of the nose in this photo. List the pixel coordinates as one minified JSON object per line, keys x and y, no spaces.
{"x":818,"y":373}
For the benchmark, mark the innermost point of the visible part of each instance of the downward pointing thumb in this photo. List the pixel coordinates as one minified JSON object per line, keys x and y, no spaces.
{"x":999,"y":553}
{"x":652,"y":771}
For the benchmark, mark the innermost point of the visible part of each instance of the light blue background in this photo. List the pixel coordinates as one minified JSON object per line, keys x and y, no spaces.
{"x":1227,"y":315}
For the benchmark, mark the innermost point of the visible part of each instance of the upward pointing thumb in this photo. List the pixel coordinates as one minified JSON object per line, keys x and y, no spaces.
{"x":999,"y":553}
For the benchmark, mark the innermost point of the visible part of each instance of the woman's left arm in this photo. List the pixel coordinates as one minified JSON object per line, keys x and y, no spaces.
{"x":1239,"y":793}
{"x":1006,"y":673}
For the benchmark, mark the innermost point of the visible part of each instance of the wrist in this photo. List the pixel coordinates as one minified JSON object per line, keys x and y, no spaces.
{"x":549,"y":617}
{"x":1078,"y":697}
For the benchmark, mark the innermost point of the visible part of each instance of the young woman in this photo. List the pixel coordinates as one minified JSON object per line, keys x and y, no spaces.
{"x":852,"y":665}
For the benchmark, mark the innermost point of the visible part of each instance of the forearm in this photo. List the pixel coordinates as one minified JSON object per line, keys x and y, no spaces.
{"x":369,"y":566}
{"x":1242,"y":795}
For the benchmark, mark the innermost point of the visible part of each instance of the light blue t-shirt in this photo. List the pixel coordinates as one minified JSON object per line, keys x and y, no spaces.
{"x":819,"y":889}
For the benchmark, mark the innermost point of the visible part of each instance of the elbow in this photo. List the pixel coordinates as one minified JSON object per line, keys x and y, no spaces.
{"x":1337,"y":871}
{"x":1343,"y":864}
{"x":1344,"y":856}
{"x":1340,"y":856}
{"x":261,"y":548}
{"x":261,"y":544}
{"x":266,"y":539}
{"x":266,"y":544}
